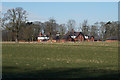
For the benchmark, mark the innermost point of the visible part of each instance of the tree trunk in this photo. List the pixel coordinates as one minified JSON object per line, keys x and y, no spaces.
{"x":16,"y":40}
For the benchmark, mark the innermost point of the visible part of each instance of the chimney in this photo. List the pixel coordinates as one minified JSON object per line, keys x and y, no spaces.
{"x":48,"y":33}
{"x":73,"y":30}
{"x":40,"y":34}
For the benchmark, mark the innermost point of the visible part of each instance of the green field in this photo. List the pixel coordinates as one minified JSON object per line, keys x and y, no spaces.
{"x":60,"y":60}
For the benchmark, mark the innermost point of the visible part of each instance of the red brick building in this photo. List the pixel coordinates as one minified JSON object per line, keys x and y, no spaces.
{"x":73,"y":36}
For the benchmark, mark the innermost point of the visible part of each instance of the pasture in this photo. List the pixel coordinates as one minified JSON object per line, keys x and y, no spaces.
{"x":60,"y":60}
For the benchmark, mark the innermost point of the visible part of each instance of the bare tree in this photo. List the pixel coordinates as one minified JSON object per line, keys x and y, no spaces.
{"x":62,"y":29}
{"x":71,"y":24}
{"x":94,"y":31}
{"x":14,"y":17}
{"x":79,"y":28}
{"x":50,"y":26}
{"x":85,"y":27}
{"x":27,"y":33}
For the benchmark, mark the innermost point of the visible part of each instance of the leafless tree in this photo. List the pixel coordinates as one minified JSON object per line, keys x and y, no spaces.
{"x":71,"y":24}
{"x":85,"y":27}
{"x":14,"y":17}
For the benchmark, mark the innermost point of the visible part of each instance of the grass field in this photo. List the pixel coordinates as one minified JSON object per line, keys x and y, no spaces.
{"x":60,"y":60}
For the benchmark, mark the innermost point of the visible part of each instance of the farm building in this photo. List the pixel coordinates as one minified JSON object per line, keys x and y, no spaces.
{"x":53,"y":38}
{"x":69,"y":36}
{"x":43,"y":37}
{"x":73,"y":36}
{"x":92,"y":38}
{"x":112,"y":38}
{"x":89,"y":38}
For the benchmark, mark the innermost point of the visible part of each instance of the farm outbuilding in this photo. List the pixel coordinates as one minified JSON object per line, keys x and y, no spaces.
{"x":112,"y":38}
{"x":43,"y":37}
{"x":73,"y":36}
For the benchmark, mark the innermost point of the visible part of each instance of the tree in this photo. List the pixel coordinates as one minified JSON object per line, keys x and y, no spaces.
{"x":71,"y":25}
{"x":37,"y":28}
{"x":79,"y":27}
{"x":107,"y":30}
{"x":102,"y":30}
{"x":62,"y":29}
{"x":85,"y":28}
{"x":94,"y":31}
{"x":50,"y":26}
{"x":27,"y":33}
{"x":114,"y":29}
{"x":14,"y":17}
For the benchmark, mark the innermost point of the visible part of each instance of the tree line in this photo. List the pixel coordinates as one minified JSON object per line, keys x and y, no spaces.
{"x":15,"y":27}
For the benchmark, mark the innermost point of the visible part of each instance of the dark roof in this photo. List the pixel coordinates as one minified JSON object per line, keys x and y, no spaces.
{"x":43,"y":35}
{"x":68,"y":35}
{"x":75,"y":33}
{"x":65,"y":37}
{"x":113,"y":38}
{"x":96,"y":38}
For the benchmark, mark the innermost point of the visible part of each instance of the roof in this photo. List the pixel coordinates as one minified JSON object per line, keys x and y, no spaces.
{"x":65,"y":37}
{"x":43,"y":35}
{"x":113,"y":38}
{"x":75,"y":33}
{"x":96,"y":38}
{"x":69,"y":34}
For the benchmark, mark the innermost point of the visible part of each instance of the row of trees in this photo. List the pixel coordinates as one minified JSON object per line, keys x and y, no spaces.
{"x":16,"y":27}
{"x":101,"y":30}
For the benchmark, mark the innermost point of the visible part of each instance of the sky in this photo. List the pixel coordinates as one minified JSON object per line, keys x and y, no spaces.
{"x":60,"y":0}
{"x":64,"y":11}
